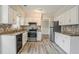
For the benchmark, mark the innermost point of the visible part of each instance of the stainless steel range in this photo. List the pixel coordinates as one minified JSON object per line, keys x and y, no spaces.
{"x":32,"y":32}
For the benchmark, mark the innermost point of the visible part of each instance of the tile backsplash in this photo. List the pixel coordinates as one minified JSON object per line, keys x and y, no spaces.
{"x":70,"y":29}
{"x":4,"y":27}
{"x":9,"y":28}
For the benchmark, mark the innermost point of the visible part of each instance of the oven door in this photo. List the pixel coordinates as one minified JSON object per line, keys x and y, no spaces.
{"x":32,"y":34}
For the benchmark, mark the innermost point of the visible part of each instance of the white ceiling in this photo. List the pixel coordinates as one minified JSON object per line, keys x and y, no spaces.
{"x":49,"y":9}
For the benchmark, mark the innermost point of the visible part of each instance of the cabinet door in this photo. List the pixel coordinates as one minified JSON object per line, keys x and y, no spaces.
{"x":25,"y":36}
{"x":10,"y":15}
{"x":4,"y":14}
{"x":14,"y":16}
{"x":38,"y":36}
{"x":8,"y":44}
{"x":56,"y":38}
{"x":66,"y":44}
{"x":68,"y":20}
{"x":74,"y":15}
{"x":59,"y":39}
{"x":64,"y":18}
{"x":61,"y":19}
{"x":24,"y":40}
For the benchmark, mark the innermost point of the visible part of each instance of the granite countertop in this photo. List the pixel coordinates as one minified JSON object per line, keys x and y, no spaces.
{"x":12,"y":32}
{"x":15,"y":31}
{"x":70,"y":34}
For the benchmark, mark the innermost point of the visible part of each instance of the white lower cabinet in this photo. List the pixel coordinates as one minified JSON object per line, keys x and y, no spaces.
{"x":8,"y":44}
{"x":39,"y":36}
{"x":70,"y":44}
{"x":66,"y":44}
{"x":24,"y":39}
{"x":59,"y":40}
{"x":74,"y":45}
{"x":63,"y":41}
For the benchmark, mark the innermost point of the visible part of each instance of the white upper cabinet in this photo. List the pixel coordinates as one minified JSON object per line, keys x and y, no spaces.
{"x":74,"y":15}
{"x":7,"y":15}
{"x":12,"y":15}
{"x":4,"y":14}
{"x":67,"y":18}
{"x":64,"y":18}
{"x":61,"y":18}
{"x":70,"y":17}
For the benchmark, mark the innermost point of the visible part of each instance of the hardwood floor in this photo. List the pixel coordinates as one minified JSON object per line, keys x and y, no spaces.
{"x":43,"y":47}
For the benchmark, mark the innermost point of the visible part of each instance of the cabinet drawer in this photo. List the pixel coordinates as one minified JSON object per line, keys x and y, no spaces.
{"x":66,"y":44}
{"x":59,"y":39}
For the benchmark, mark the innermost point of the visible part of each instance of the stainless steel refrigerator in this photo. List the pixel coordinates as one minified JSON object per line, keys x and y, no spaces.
{"x":54,"y":27}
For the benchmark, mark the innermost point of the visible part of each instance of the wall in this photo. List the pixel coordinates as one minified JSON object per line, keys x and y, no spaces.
{"x":33,"y":17}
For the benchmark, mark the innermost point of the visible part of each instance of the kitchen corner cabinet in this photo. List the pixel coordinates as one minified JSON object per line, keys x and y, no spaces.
{"x":70,"y":44}
{"x":11,"y":43}
{"x":70,"y":17}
